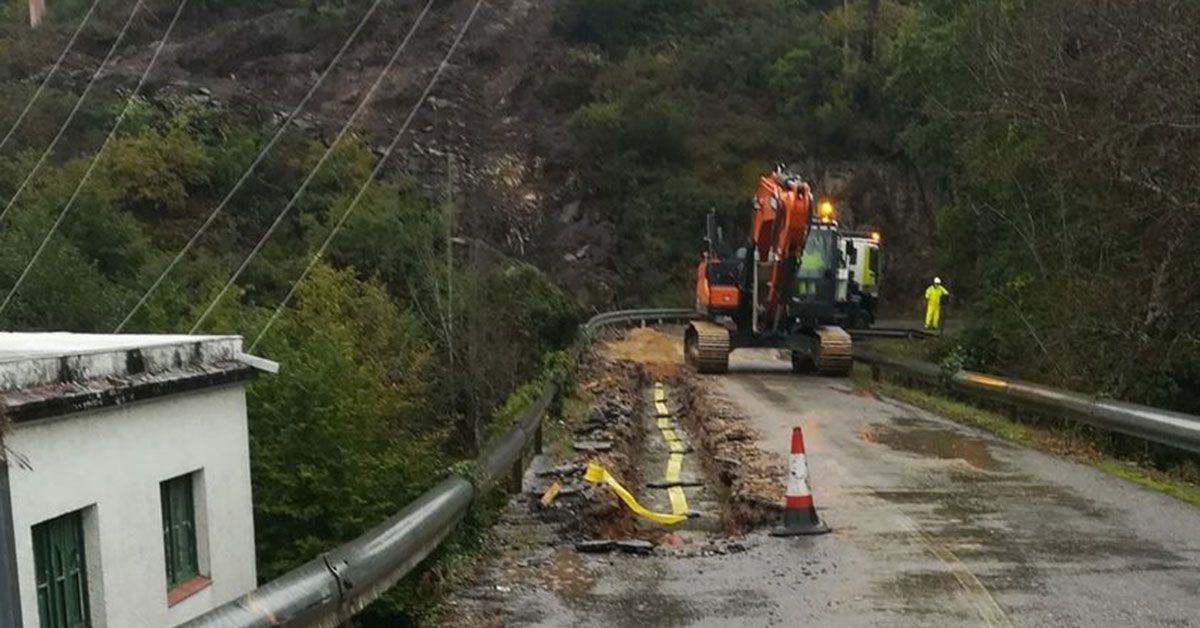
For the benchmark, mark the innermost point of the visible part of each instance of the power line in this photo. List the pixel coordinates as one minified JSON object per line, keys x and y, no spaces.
{"x":262,"y":155}
{"x":74,"y":110}
{"x":362,"y":190}
{"x":96,"y":158}
{"x":324,"y":158}
{"x":53,"y":70}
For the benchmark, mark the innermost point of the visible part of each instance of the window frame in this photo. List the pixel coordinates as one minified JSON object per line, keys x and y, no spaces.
{"x":47,"y":537}
{"x":181,"y":551}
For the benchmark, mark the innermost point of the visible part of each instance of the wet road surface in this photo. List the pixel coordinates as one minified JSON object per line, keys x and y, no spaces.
{"x":934,"y":524}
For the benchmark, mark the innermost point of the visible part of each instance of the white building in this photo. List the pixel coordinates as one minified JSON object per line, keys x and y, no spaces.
{"x":125,"y":498}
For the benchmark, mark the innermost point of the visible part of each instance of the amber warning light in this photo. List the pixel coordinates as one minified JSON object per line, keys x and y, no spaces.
{"x":825,"y":211}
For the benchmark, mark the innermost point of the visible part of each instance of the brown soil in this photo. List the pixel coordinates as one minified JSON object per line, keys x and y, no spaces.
{"x":614,"y":416}
{"x":752,"y":478}
{"x":661,"y":354}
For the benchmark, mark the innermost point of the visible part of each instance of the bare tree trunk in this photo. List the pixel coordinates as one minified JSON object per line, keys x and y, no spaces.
{"x":868,"y":51}
{"x":37,"y":11}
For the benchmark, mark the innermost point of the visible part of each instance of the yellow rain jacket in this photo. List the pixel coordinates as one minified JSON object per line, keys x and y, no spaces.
{"x":933,"y":305}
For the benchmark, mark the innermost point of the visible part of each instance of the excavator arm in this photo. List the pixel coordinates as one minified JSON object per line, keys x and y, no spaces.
{"x":782,"y":210}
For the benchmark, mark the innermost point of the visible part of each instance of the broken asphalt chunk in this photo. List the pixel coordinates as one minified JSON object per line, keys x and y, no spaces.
{"x":592,"y":445}
{"x":635,"y":546}
{"x":598,"y":546}
{"x":562,"y":470}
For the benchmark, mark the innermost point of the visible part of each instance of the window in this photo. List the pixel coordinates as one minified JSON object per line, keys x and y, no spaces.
{"x":179,"y":530}
{"x":61,"y":568}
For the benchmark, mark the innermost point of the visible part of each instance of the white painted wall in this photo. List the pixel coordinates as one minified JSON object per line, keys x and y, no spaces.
{"x":110,"y":463}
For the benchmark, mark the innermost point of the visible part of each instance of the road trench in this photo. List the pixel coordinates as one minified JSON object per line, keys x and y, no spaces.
{"x":575,"y":554}
{"x":672,"y":475}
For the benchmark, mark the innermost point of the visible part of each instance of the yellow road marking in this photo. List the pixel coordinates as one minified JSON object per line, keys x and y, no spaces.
{"x":674,"y":467}
{"x":989,"y":611}
{"x":679,"y":504}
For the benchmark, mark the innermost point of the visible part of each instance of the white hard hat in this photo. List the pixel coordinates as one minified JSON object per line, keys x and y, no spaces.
{"x":937,"y":280}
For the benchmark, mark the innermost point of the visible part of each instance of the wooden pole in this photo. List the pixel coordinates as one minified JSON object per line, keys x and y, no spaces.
{"x":37,"y":10}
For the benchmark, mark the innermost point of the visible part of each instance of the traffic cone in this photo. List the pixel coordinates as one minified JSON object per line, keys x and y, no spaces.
{"x":799,"y":513}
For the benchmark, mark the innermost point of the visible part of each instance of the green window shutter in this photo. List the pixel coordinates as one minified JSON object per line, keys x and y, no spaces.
{"x":61,"y":568}
{"x":179,"y":530}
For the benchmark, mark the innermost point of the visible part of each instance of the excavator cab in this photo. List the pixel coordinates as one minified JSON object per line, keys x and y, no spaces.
{"x":814,"y":295}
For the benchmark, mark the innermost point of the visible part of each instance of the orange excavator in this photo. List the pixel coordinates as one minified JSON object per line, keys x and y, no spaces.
{"x":779,"y":291}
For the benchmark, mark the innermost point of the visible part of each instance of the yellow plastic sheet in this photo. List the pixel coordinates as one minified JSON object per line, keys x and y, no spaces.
{"x":596,"y":475}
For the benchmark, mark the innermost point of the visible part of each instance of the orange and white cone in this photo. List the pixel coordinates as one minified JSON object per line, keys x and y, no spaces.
{"x":799,"y":513}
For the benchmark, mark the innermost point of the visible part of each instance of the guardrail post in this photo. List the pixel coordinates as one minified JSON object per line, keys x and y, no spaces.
{"x":518,"y":474}
{"x":537,"y":440}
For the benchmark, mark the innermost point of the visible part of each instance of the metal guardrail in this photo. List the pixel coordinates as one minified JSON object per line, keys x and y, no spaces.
{"x":1173,"y":429}
{"x":330,"y":589}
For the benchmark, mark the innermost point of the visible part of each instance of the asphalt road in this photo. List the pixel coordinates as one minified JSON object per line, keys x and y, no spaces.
{"x":934,"y":524}
{"x":938,"y":524}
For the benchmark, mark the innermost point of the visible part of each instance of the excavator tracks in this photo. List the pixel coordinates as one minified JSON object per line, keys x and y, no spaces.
{"x":833,"y":352}
{"x":706,"y":347}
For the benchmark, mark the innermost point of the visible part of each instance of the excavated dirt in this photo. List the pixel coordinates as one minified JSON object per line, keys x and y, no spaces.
{"x":752,"y":479}
{"x":613,"y":421}
{"x":660,"y":354}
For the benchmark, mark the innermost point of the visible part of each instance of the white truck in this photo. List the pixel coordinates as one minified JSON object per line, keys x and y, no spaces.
{"x":859,"y":277}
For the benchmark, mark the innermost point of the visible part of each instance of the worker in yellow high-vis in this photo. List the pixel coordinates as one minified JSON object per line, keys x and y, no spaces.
{"x":933,"y":303}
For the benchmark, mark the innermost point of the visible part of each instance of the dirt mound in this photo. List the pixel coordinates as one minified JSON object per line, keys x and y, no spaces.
{"x":660,"y":353}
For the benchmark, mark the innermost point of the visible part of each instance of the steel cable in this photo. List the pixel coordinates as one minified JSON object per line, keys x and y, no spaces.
{"x":362,"y":190}
{"x":325,"y":157}
{"x":75,"y":109}
{"x":262,"y":155}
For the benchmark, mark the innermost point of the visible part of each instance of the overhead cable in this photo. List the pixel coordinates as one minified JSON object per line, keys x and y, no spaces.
{"x":212,"y":216}
{"x":362,"y":190}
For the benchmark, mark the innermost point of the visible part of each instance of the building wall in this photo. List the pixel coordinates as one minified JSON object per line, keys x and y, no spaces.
{"x":109,"y":463}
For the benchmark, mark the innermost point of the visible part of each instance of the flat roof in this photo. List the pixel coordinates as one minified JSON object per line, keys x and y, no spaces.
{"x":16,"y":346}
{"x":45,"y":374}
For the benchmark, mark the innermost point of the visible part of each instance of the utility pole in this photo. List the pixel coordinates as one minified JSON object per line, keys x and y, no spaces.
{"x":845,"y":35}
{"x":37,"y":10}
{"x":10,"y":593}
